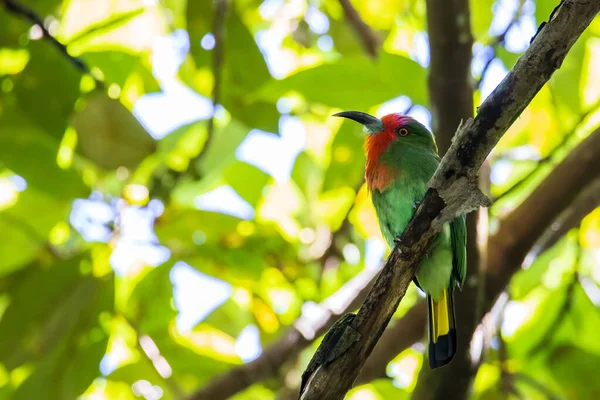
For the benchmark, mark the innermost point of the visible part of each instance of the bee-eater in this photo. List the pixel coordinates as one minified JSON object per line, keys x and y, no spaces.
{"x":401,"y":158}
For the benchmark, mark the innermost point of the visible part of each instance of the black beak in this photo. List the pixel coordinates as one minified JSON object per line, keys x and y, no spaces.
{"x":373,"y":124}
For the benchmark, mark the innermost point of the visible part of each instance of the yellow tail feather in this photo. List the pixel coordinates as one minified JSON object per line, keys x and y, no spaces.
{"x":442,"y":330}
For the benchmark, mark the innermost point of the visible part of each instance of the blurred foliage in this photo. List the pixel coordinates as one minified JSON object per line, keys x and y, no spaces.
{"x":117,"y":277}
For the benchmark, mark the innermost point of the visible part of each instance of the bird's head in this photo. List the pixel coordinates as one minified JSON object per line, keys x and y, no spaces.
{"x":390,"y":129}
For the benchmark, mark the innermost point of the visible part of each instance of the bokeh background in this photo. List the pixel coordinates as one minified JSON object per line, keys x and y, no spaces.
{"x":176,"y":200}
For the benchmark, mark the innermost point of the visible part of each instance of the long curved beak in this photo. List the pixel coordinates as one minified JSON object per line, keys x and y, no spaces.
{"x":371,"y":123}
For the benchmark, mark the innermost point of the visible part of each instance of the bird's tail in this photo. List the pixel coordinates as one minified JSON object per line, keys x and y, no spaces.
{"x":442,"y":330}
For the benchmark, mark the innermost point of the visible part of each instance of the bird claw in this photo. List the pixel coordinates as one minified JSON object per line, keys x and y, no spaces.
{"x":397,"y":241}
{"x":416,"y":205}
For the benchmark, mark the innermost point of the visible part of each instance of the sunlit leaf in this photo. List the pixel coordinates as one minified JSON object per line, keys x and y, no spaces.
{"x":336,"y":84}
{"x":48,"y":75}
{"x":109,"y":134}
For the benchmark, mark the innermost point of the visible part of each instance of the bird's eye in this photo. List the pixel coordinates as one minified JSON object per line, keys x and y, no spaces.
{"x":402,"y":132}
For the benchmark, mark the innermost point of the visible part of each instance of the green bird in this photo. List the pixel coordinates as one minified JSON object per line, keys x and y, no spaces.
{"x":401,"y":158}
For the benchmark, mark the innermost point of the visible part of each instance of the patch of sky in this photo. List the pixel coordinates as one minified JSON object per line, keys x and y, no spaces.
{"x":422,"y":115}
{"x":500,"y":172}
{"x":196,"y":295}
{"x":269,"y":42}
{"x":374,"y":252}
{"x":247,"y":345}
{"x":274,"y":154}
{"x":208,"y":41}
{"x":91,"y":217}
{"x":268,"y":8}
{"x":495,"y":73}
{"x":396,"y":105}
{"x":325,"y":43}
{"x":19,"y":182}
{"x":317,"y":21}
{"x":420,"y":49}
{"x":481,"y":55}
{"x":137,"y":241}
{"x":175,"y":105}
{"x":225,"y":200}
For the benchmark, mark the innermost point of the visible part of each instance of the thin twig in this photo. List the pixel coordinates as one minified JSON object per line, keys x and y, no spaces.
{"x":29,"y":14}
{"x":585,"y":203}
{"x":499,"y":41}
{"x":218,"y":56}
{"x":366,"y":34}
{"x":550,"y":156}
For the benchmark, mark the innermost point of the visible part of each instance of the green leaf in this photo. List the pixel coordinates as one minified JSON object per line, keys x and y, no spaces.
{"x":109,"y":135}
{"x":24,"y":227}
{"x":150,"y":303}
{"x":481,"y":17}
{"x":354,"y":83}
{"x":65,"y":310}
{"x":244,"y":68}
{"x":247,"y":180}
{"x":115,"y":65}
{"x":347,"y":158}
{"x":180,"y":228}
{"x":565,"y":82}
{"x":307,"y":175}
{"x":230,"y":318}
{"x":543,"y":9}
{"x":576,"y":370}
{"x":14,"y":29}
{"x":18,"y":136}
{"x":47,"y":88}
{"x":19,"y":244}
{"x":508,"y":58}
{"x":142,"y":369}
{"x":221,"y":151}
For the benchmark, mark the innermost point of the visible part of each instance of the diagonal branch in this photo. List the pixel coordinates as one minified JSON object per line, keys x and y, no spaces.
{"x":366,"y":34}
{"x":451,"y":94}
{"x":519,"y":231}
{"x":586,"y":202}
{"x":453,"y":191}
{"x":548,"y":158}
{"x":29,"y":14}
{"x":305,"y":330}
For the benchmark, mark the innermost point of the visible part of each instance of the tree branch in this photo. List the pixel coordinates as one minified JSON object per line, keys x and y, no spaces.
{"x":401,"y":334}
{"x":521,"y":228}
{"x":451,"y":93}
{"x":548,"y":158}
{"x":219,"y":18}
{"x":586,"y":202}
{"x":305,"y":330}
{"x":366,"y":34}
{"x":30,"y":15}
{"x":453,"y":190}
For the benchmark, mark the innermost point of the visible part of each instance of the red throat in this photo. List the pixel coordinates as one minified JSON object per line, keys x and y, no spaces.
{"x":378,"y":175}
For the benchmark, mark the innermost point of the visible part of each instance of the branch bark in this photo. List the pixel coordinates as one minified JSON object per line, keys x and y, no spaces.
{"x":365,"y":33}
{"x":451,"y":93}
{"x":520,"y":229}
{"x":296,"y":339}
{"x":401,"y":334}
{"x":586,"y":202}
{"x":580,"y":159}
{"x":32,"y":16}
{"x":453,"y":190}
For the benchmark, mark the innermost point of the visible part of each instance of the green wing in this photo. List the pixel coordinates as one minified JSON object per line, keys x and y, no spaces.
{"x":458,"y":237}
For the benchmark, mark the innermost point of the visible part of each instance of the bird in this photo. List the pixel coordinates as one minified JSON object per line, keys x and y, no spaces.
{"x":401,"y":157}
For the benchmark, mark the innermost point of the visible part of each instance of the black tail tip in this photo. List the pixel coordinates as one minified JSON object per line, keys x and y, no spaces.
{"x":442,"y":351}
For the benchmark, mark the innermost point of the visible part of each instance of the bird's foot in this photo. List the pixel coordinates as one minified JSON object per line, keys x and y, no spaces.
{"x":397,"y":240}
{"x":416,"y":205}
